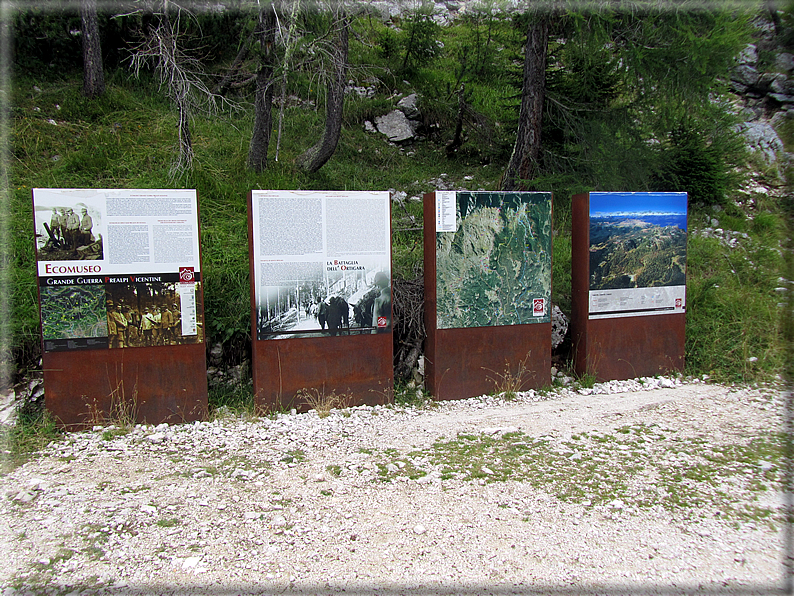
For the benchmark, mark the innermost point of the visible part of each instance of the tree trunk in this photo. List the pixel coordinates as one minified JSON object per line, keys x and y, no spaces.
{"x":457,"y":140}
{"x":93,"y":75}
{"x":522,"y":166}
{"x":179,"y":88}
{"x":185,"y":161}
{"x":319,"y":154}
{"x":772,"y":8}
{"x":263,"y":120}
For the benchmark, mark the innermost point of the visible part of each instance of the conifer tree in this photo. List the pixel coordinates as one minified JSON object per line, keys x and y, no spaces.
{"x":93,"y":74}
{"x":263,"y":120}
{"x":615,"y":81}
{"x":317,"y":156}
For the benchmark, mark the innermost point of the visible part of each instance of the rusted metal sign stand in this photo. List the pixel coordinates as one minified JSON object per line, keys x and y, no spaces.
{"x":357,"y":369}
{"x":619,"y":346}
{"x":120,"y":369}
{"x":477,"y":360}
{"x":151,"y":385}
{"x":296,"y":363}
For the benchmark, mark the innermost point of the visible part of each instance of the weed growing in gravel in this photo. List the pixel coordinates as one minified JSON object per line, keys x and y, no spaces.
{"x":95,"y":536}
{"x":639,"y":465}
{"x":125,"y":490}
{"x":283,"y":502}
{"x":32,"y":432}
{"x":545,"y":390}
{"x":42,"y":573}
{"x":200,"y":472}
{"x":64,"y":554}
{"x":409,"y":467}
{"x":508,"y":383}
{"x":113,"y":431}
{"x":410,"y":396}
{"x":334,"y":470}
{"x":231,"y":401}
{"x":586,"y":380}
{"x":243,"y":468}
{"x":218,"y":462}
{"x":273,"y":411}
{"x":168,"y":523}
{"x":94,"y":552}
{"x":323,"y":402}
{"x":294,"y":456}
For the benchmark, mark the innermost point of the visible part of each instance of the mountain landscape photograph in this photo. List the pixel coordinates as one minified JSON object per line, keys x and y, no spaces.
{"x":637,"y":240}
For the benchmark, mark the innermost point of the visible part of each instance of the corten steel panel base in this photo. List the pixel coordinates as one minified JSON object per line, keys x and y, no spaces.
{"x":623,"y":347}
{"x":461,"y":363}
{"x":144,"y":385}
{"x":630,"y":347}
{"x":358,"y":367}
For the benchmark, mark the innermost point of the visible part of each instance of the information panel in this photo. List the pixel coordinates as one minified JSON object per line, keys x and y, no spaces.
{"x":637,"y":254}
{"x":493,"y":258}
{"x":118,"y":268}
{"x":322,"y":263}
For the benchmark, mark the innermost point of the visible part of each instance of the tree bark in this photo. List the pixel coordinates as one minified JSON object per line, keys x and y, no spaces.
{"x":319,"y":154}
{"x":457,"y":140}
{"x":179,"y":88}
{"x":263,"y":119}
{"x":523,"y":163}
{"x":186,"y":155}
{"x":93,"y":75}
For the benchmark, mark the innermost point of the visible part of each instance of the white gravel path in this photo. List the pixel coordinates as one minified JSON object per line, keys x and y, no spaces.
{"x":387,"y":500}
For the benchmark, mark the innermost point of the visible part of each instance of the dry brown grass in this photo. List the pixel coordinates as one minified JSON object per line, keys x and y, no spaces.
{"x":323,"y":402}
{"x":508,"y":383}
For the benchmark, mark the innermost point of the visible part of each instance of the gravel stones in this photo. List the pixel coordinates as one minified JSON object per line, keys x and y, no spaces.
{"x":358,"y":500}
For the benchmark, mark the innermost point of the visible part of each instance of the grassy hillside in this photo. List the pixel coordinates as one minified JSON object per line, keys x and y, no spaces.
{"x":126,"y":139}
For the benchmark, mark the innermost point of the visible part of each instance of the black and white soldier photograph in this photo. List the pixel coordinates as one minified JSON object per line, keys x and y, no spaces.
{"x":331,"y":299}
{"x":68,"y":232}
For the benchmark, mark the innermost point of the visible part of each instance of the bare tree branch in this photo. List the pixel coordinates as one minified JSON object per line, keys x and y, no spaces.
{"x":180,"y":76}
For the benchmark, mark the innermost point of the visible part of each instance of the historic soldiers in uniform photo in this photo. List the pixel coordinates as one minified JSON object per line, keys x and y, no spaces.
{"x":166,"y":325}
{"x":86,"y":223}
{"x":117,"y":326}
{"x":72,"y":229}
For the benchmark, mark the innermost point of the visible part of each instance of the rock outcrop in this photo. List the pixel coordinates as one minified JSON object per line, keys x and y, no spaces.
{"x":764,"y":88}
{"x":402,"y":124}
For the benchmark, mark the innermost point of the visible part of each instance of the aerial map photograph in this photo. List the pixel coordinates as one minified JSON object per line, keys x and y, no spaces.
{"x":73,"y":311}
{"x":495,"y":269}
{"x":637,"y":240}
